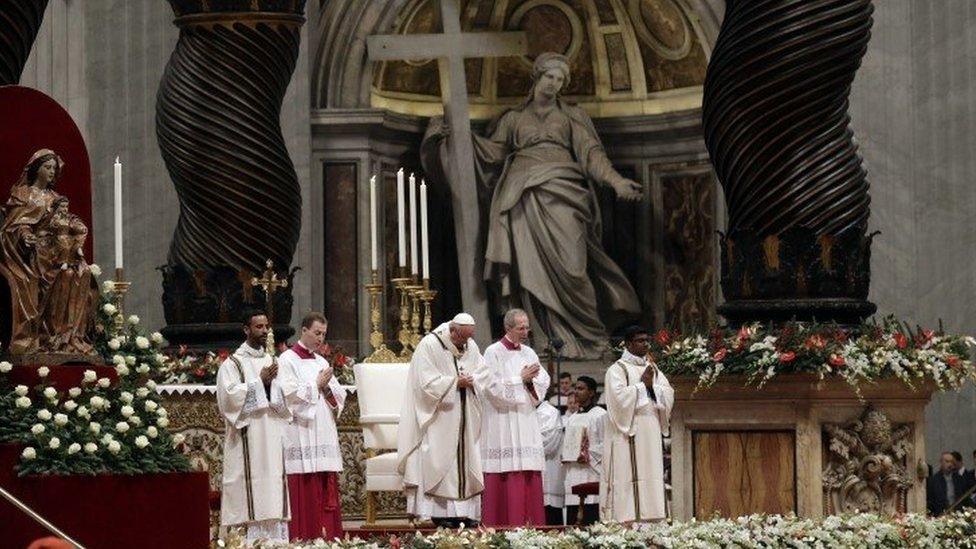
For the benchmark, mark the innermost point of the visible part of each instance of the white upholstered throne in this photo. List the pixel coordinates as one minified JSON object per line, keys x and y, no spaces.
{"x":380,"y":389}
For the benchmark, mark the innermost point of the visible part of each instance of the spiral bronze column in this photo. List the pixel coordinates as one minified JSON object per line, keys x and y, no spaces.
{"x":777,"y":128}
{"x":218,"y":124}
{"x":19,"y":23}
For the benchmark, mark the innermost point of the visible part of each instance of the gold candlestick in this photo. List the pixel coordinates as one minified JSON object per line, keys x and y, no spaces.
{"x":381,"y":354}
{"x":403,"y":334}
{"x":414,"y":290}
{"x":119,"y":288}
{"x":426,"y":296}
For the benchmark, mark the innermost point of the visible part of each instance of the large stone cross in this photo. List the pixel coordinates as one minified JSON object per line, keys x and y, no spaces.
{"x":450,"y":49}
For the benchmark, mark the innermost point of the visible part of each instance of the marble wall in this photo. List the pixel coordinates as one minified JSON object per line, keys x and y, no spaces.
{"x":104,"y":60}
{"x":912,"y":106}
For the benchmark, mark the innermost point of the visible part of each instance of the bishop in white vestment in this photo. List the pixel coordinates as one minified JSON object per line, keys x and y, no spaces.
{"x":254,"y":492}
{"x":511,"y":385}
{"x":639,"y":401}
{"x":582,"y":451}
{"x":440,"y":426}
{"x":553,"y":476}
{"x":312,"y":456}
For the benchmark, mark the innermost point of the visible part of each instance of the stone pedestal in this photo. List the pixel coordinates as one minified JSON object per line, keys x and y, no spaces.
{"x":739,"y":450}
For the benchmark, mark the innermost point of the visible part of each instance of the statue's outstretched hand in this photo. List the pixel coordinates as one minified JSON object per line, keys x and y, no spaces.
{"x":628,"y":189}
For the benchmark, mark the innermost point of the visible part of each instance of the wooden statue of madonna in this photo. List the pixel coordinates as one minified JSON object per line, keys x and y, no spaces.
{"x":540,"y":165}
{"x":52,"y":290}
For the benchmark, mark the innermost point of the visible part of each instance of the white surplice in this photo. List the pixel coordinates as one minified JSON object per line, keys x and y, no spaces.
{"x":633,"y":486}
{"x":254,"y":490}
{"x":312,"y":440}
{"x":593,"y":421}
{"x":440,"y":426}
{"x":553,"y":477}
{"x":511,"y":439}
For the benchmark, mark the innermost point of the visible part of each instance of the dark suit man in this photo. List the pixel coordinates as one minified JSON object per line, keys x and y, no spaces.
{"x":945,"y":486}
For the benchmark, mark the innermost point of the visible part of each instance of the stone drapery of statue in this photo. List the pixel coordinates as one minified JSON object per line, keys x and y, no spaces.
{"x":537,"y":172}
{"x":53,"y":293}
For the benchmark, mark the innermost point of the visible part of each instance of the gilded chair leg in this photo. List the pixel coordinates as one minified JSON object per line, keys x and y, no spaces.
{"x":370,"y":508}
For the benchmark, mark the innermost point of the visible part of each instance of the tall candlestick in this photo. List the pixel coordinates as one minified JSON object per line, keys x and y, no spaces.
{"x":118,"y":213}
{"x":423,"y":228}
{"x":401,"y":220}
{"x":414,"y":267}
{"x":372,"y":219}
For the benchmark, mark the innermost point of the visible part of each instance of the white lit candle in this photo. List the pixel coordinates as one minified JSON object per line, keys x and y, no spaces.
{"x":372,"y":219}
{"x":118,"y":213}
{"x":414,"y":267}
{"x":401,"y":220}
{"x":423,"y":228}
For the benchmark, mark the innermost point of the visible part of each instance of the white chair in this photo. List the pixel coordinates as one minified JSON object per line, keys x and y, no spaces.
{"x":380,"y":389}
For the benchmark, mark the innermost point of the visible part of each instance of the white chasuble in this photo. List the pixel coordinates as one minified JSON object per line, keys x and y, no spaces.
{"x":633,"y":487}
{"x":553,"y":477}
{"x":254,"y":489}
{"x":590,"y":425}
{"x":440,"y":426}
{"x":511,"y":439}
{"x":312,"y":440}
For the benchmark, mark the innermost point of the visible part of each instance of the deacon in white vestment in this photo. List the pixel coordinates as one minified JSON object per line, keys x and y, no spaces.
{"x":254,"y":491}
{"x":639,"y":401}
{"x":553,"y":477}
{"x":511,"y":385}
{"x":312,"y":456}
{"x":440,"y":426}
{"x":582,"y":451}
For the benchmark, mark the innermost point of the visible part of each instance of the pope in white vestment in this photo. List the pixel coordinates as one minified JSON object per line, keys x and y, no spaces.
{"x":440,"y":426}
{"x":639,"y":401}
{"x":254,"y":491}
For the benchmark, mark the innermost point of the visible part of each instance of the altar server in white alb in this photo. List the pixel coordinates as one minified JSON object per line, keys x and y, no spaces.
{"x":511,"y":385}
{"x":312,"y":456}
{"x":639,"y":400}
{"x":440,"y":426}
{"x":582,"y":451}
{"x":254,"y":493}
{"x":553,"y":476}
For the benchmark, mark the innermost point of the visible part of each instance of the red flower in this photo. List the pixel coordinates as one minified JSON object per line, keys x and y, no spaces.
{"x":340,"y":360}
{"x":788,"y":356}
{"x":900,"y":340}
{"x":952,"y":361}
{"x":925,"y":336}
{"x":719,"y":355}
{"x":200,"y":372}
{"x":837,"y":361}
{"x":663,"y":337}
{"x":223,"y":354}
{"x":183,"y":349}
{"x":325,"y":350}
{"x":743,"y":333}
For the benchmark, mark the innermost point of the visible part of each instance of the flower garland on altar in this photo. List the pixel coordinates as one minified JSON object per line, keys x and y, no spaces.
{"x":861,"y":531}
{"x":96,"y":427}
{"x":187,"y":368}
{"x":868,"y":353}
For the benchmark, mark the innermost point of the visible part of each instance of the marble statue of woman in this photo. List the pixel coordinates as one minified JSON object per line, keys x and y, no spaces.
{"x":540,"y":165}
{"x":32,"y":231}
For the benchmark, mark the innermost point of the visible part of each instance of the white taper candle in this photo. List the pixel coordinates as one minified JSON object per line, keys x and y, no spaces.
{"x":401,"y":220}
{"x":414,"y":267}
{"x":372,"y":220}
{"x":118,"y":213}
{"x":423,"y":228}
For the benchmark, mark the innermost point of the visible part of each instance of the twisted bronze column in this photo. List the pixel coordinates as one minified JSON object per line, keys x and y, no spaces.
{"x":218,"y":123}
{"x":19,"y":23}
{"x":777,"y":128}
